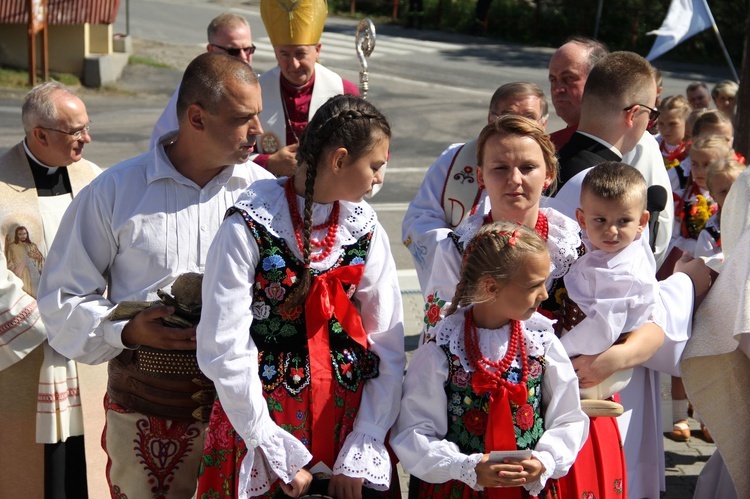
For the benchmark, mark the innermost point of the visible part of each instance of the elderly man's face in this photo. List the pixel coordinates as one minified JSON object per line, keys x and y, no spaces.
{"x":568,"y":71}
{"x":297,"y":62}
{"x":69,"y":134}
{"x":528,"y":106}
{"x":699,"y":98}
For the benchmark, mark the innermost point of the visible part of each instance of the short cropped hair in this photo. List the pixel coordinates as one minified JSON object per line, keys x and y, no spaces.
{"x":38,"y":107}
{"x":695,"y":86}
{"x":596,"y":49}
{"x":618,"y":80}
{"x":723,"y":167}
{"x":517,"y":90}
{"x":224,"y":21}
{"x":678,"y":102}
{"x":726,"y":87}
{"x":615,"y":181}
{"x":206,"y":78}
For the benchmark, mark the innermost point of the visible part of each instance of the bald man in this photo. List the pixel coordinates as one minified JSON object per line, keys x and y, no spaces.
{"x":42,"y":417}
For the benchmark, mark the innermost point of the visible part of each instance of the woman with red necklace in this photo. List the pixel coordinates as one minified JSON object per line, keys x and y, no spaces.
{"x":517,"y":164}
{"x":307,"y":386}
{"x":500,"y":381}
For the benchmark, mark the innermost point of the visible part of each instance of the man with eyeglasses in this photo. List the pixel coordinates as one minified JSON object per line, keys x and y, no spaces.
{"x":449,"y":192}
{"x":616,"y":108}
{"x":41,"y":411}
{"x":298,"y":85}
{"x":228,"y":33}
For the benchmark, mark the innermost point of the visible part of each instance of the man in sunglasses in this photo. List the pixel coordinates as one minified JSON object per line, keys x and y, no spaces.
{"x":298,"y":85}
{"x":227,"y":33}
{"x":41,"y":413}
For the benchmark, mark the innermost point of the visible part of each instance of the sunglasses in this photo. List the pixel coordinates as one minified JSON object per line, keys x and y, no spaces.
{"x":234,"y":52}
{"x":653,"y":114}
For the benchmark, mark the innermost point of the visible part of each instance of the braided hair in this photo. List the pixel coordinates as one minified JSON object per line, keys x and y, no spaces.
{"x":344,"y":121}
{"x":496,"y":251}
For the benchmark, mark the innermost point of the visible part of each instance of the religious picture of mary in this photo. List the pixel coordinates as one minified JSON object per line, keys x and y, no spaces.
{"x":24,"y":259}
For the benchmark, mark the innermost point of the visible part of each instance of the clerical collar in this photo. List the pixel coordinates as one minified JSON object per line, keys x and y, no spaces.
{"x":292,"y":88}
{"x":49,"y":180}
{"x":602,"y":142}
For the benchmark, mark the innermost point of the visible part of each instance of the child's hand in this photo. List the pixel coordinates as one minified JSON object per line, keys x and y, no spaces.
{"x":344,"y":487}
{"x":299,"y":484}
{"x":508,"y":473}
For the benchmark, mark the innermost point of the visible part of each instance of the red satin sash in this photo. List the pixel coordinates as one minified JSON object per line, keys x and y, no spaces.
{"x":326,"y":296}
{"x":500,"y":433}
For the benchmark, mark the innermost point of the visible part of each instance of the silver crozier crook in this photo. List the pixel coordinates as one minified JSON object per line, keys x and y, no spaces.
{"x":365,"y":44}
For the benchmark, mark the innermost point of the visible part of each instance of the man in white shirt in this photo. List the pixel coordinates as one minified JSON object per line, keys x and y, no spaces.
{"x":449,"y":192}
{"x":227,"y":33}
{"x":138,"y":227}
{"x":41,"y":413}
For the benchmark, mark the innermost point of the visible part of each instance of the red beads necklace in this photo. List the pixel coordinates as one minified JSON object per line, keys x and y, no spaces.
{"x":481,"y":363}
{"x":541,"y":227}
{"x":332,"y":224}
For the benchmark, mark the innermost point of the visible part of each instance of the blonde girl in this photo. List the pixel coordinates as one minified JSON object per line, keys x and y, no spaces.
{"x":499,"y":380}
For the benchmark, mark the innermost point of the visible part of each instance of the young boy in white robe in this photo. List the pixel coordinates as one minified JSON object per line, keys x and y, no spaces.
{"x":614,"y":283}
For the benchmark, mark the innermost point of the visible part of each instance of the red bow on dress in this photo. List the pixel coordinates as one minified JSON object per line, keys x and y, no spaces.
{"x":326,"y":296}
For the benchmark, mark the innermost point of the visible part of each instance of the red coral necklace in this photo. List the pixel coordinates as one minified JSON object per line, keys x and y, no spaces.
{"x":482,"y":363}
{"x":541,"y":227}
{"x":332,"y":224}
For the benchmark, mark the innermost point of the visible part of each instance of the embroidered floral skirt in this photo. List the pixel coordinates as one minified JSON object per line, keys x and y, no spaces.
{"x":224,"y":449}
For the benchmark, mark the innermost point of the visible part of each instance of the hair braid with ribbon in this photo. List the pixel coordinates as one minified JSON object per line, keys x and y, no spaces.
{"x":344,"y":121}
{"x":497,"y":250}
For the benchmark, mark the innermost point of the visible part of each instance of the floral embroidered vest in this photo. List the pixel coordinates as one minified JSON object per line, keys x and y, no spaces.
{"x":467,"y":411}
{"x":281,"y":337}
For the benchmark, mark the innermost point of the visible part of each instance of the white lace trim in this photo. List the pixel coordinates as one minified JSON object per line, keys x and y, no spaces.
{"x":265,"y":202}
{"x":493,"y":343}
{"x":364,"y":456}
{"x":281,"y":455}
{"x":563,"y":238}
{"x":563,"y":241}
{"x":465,"y":471}
{"x":535,"y":488}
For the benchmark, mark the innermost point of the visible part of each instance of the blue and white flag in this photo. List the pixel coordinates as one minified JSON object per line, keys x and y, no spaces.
{"x":685,"y":18}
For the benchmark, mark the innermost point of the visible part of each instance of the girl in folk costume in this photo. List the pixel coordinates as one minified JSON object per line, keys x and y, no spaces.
{"x":671,"y":125}
{"x":499,"y":381}
{"x":305,"y":382}
{"x":719,"y":179}
{"x":517,"y":163}
{"x":694,"y":205}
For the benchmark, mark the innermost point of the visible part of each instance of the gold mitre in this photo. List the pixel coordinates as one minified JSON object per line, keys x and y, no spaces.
{"x":294,"y":22}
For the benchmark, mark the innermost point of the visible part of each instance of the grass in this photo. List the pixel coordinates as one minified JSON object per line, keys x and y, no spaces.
{"x":19,"y":78}
{"x":147,"y":61}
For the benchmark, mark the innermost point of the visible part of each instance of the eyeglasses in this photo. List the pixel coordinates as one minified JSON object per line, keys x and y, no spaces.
{"x":234,"y":52}
{"x":653,"y":114}
{"x":75,"y":134}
